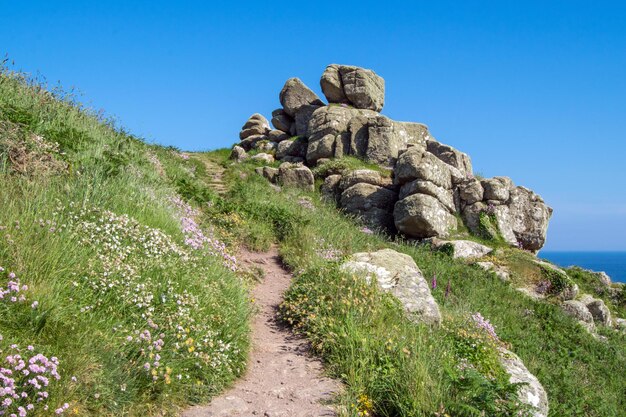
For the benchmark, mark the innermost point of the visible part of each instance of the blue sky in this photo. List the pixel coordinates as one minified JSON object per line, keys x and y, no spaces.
{"x":534,"y":90}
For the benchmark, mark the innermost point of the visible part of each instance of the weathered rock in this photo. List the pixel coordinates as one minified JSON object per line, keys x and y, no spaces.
{"x":532,"y":392}
{"x":600,"y":312}
{"x":470,"y":191}
{"x":371,"y":203}
{"x":464,"y":249}
{"x":276,"y":135}
{"x":265,"y":146}
{"x":295,"y":94}
{"x":444,"y":196}
{"x":529,"y":217}
{"x":238,"y":153}
{"x":281,"y":120}
{"x":263,"y":157}
{"x":292,"y":147}
{"x":367,"y":176}
{"x":502,"y":228}
{"x":497,"y":188}
{"x":578,"y":310}
{"x":255,"y":125}
{"x":332,"y":85}
{"x":270,"y":173}
{"x":620,"y":324}
{"x":292,"y":175}
{"x":422,"y":216}
{"x":452,"y":157}
{"x":249,"y":142}
{"x":385,"y":140}
{"x":427,"y":167}
{"x":417,"y":134}
{"x":330,"y":188}
{"x":362,"y":88}
{"x":328,"y":132}
{"x":302,"y":118}
{"x":398,"y":274}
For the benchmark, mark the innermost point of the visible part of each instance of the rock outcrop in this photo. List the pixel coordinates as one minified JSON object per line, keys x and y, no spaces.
{"x":532,"y":392}
{"x":398,"y":274}
{"x":359,"y":87}
{"x":433,"y":188}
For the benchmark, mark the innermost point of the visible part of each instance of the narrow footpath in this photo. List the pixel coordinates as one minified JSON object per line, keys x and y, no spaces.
{"x":282,"y":378}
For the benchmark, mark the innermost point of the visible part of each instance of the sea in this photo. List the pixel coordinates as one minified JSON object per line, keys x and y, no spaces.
{"x":613,"y":263}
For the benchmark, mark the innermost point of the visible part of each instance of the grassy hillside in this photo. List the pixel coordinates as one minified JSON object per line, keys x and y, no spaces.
{"x":395,"y":368}
{"x":120,"y":294}
{"x":111,"y":279}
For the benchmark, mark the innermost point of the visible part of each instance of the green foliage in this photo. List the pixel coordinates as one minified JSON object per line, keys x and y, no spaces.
{"x":559,"y":281}
{"x":488,"y":226}
{"x":53,"y":236}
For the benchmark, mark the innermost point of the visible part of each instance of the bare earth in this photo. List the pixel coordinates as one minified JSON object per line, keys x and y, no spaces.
{"x":282,"y":378}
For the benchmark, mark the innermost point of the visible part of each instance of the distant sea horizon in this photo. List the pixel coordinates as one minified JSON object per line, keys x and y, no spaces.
{"x":613,"y":263}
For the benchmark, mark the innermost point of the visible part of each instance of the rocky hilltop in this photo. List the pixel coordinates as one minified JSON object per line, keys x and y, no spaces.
{"x":432,"y":191}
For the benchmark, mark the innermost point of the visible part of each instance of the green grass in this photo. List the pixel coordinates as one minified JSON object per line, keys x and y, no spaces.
{"x":62,"y":209}
{"x":401,"y":369}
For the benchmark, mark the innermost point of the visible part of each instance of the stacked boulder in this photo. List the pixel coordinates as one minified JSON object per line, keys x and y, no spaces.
{"x":433,"y":187}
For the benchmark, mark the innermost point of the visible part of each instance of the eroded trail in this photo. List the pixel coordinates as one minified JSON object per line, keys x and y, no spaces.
{"x":282,"y":378}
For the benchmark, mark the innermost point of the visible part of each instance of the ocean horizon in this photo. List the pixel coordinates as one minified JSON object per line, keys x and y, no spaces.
{"x":613,"y":263}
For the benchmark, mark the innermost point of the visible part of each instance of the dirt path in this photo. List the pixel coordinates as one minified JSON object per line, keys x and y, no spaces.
{"x":282,"y":379}
{"x":214,"y":173}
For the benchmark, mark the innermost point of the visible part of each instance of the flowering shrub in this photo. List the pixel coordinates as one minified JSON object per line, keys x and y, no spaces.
{"x":326,"y":251}
{"x":139,"y":269}
{"x":195,"y":237}
{"x":24,"y":380}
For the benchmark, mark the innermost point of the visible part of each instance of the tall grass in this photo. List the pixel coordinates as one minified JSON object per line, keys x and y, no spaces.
{"x":141,"y":320}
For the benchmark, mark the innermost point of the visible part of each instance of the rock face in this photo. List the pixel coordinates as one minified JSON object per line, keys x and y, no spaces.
{"x":433,"y":186}
{"x":423,"y":216}
{"x":295,"y":94}
{"x":295,"y":175}
{"x":398,"y":274}
{"x":359,"y":87}
{"x":532,"y":393}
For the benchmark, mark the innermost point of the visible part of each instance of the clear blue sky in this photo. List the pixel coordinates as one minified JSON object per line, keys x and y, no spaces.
{"x":535,"y":90}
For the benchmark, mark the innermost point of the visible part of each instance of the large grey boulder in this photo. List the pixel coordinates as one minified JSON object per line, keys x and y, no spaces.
{"x":502,"y":228}
{"x":257,"y":124}
{"x":291,"y":147}
{"x":416,"y":165}
{"x":238,"y":153}
{"x":296,"y":175}
{"x":444,"y":196}
{"x":451,"y":156}
{"x":578,"y":310}
{"x":470,"y":191}
{"x":463,"y":249}
{"x":529,"y":218}
{"x":368,"y":176}
{"x":302,"y":118}
{"x":371,"y":203}
{"x":532,"y":392}
{"x":360,"y":87}
{"x":330,"y":189}
{"x":422,"y":216}
{"x":497,"y":189}
{"x":281,"y":120}
{"x":600,"y":312}
{"x":398,"y":274}
{"x":276,"y":135}
{"x":296,"y":94}
{"x":328,"y":130}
